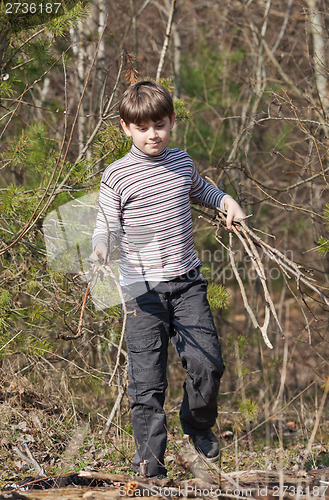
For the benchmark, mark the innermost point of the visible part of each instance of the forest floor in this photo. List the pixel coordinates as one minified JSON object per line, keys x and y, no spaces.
{"x":43,"y":434}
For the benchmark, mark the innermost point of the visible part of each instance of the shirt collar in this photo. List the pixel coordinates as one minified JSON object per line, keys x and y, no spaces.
{"x":137,"y":153}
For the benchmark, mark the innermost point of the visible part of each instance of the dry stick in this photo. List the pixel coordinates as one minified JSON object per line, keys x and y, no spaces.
{"x":13,"y":338}
{"x":9,"y":120}
{"x":103,"y":114}
{"x":117,"y":403}
{"x":298,"y":302}
{"x":294,"y":269}
{"x":19,"y":48}
{"x":263,"y":329}
{"x":258,"y":266}
{"x":286,"y":267}
{"x":283,"y":376}
{"x":317,"y":422}
{"x":250,"y":242}
{"x":171,"y":486}
{"x":166,"y":40}
{"x":29,"y":459}
{"x":278,"y":256}
{"x":79,"y":331}
{"x":268,"y":300}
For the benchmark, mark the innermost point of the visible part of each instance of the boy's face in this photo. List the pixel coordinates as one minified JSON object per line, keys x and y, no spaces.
{"x":150,"y":137}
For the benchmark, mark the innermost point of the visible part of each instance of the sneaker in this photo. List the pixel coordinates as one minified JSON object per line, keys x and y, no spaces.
{"x":206,"y":443}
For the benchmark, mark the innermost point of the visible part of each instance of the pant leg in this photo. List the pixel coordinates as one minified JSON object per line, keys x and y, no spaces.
{"x":146,"y":335}
{"x":196,"y":342}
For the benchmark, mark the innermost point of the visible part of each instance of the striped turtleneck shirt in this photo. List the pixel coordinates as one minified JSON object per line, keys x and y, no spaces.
{"x":147,"y":198}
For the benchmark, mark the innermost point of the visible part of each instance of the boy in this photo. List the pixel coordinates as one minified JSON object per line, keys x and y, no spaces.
{"x":146,"y":195}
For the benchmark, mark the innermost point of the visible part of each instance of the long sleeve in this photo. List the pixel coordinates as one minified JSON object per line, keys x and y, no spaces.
{"x":108,"y":217}
{"x":147,"y":198}
{"x":202,"y":192}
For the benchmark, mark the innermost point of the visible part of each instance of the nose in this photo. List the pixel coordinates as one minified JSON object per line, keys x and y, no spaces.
{"x":153,"y":133}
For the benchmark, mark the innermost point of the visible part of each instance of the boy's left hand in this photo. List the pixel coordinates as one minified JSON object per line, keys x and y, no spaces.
{"x":234,"y":211}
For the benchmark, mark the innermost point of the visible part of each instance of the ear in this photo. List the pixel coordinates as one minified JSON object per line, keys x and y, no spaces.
{"x":172,"y":123}
{"x":126,"y":128}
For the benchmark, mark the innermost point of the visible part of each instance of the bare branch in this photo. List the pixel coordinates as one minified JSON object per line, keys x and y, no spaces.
{"x":166,"y":40}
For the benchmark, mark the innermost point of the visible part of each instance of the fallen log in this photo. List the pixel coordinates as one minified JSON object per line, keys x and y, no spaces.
{"x":248,"y":484}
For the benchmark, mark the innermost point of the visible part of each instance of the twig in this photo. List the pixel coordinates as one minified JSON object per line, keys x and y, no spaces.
{"x":245,"y":300}
{"x":36,"y":215}
{"x":166,"y":40}
{"x":117,"y":403}
{"x":19,"y":100}
{"x":79,"y":331}
{"x":13,"y":338}
{"x":317,"y":422}
{"x":102,"y":117}
{"x":122,"y":478}
{"x":107,"y":270}
{"x":19,"y":48}
{"x":29,"y":459}
{"x":251,"y":243}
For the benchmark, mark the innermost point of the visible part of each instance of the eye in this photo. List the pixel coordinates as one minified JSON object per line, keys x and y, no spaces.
{"x":160,"y":125}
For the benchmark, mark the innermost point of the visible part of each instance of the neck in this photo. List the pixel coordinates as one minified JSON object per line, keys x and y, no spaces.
{"x":135,"y":151}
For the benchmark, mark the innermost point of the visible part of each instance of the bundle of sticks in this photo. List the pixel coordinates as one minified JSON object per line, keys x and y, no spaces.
{"x":254,"y":246}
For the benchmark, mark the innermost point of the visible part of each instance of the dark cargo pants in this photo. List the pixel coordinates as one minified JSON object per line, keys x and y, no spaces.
{"x":177,"y":310}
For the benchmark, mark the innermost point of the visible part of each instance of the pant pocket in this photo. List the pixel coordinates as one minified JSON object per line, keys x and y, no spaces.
{"x":147,"y":354}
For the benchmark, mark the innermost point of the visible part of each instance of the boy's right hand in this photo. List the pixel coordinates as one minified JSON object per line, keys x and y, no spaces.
{"x":100,"y":253}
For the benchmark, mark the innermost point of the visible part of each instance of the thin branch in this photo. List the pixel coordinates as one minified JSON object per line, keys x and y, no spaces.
{"x":251,"y":242}
{"x":20,"y":47}
{"x":36,"y":215}
{"x":252,"y":316}
{"x":283,"y":27}
{"x":317,"y":422}
{"x":166,"y":40}
{"x":102,"y":117}
{"x":117,"y":403}
{"x":9,"y":341}
{"x":29,"y":459}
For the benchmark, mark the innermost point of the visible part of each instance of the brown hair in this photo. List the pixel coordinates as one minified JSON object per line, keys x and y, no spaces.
{"x":145,"y":100}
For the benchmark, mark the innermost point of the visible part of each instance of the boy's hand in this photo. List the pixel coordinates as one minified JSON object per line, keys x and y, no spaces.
{"x":234,"y":211}
{"x":100,"y":253}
